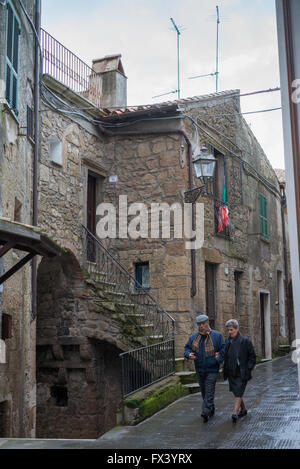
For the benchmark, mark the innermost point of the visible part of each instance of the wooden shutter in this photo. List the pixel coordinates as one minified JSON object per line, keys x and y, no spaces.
{"x":12,"y":58}
{"x":263,"y":216}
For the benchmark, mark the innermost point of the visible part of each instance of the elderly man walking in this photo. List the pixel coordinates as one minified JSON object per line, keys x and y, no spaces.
{"x":207,"y":348}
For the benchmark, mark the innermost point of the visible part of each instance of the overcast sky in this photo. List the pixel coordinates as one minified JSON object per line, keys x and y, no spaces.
{"x":142,"y":32}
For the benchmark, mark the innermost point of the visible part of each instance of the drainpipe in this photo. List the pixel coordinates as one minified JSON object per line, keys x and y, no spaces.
{"x":286,"y":272}
{"x":36,"y":151}
{"x":190,"y":179}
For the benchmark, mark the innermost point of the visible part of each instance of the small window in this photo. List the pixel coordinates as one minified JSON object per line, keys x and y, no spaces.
{"x":60,"y":394}
{"x":55,"y":150}
{"x":6,"y":327}
{"x":12,"y":58}
{"x":18,"y":211}
{"x":142,"y":276}
{"x":263,"y":217}
{"x":30,"y":126}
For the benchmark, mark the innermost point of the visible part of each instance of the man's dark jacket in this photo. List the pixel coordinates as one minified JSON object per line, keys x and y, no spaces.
{"x":203,"y":363}
{"x":241,"y":349}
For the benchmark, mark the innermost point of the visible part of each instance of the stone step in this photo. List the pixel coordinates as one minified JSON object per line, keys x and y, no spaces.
{"x":187,"y":377}
{"x":150,"y":340}
{"x":192,"y":387}
{"x":114,"y":296}
{"x":132,"y":316}
{"x":179,"y":364}
{"x":145,"y":329}
{"x":105,"y":304}
{"x":125,"y":307}
{"x":107,"y":286}
{"x":97,"y":275}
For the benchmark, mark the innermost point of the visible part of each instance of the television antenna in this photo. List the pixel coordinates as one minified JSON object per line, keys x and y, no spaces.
{"x":216,"y":73}
{"x":178,"y":30}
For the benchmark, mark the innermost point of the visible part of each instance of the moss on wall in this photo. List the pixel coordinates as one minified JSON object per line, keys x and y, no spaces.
{"x":153,"y":401}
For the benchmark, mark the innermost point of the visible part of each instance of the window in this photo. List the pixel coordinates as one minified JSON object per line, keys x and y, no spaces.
{"x":263,"y":216}
{"x":60,"y":394}
{"x":6,"y":328}
{"x":12,"y":58}
{"x":18,"y":211}
{"x":220,"y":196}
{"x":55,"y":150}
{"x":30,"y":126}
{"x":142,"y":275}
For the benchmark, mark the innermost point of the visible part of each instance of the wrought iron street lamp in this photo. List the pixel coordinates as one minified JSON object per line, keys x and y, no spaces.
{"x":204,"y":165}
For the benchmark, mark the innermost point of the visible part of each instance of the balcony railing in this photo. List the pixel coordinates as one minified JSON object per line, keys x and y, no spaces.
{"x":66,"y":67}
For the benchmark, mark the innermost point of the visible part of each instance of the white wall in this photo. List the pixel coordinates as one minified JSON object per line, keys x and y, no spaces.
{"x":291,"y":205}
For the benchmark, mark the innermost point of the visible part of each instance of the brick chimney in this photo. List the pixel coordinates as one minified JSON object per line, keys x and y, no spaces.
{"x":113,"y":81}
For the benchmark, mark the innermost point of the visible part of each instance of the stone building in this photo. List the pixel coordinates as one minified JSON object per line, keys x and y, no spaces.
{"x":19,"y":240}
{"x":65,"y":324}
{"x":131,"y":158}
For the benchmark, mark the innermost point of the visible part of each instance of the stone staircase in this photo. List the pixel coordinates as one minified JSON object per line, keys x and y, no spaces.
{"x":122,"y":307}
{"x":185,"y":370}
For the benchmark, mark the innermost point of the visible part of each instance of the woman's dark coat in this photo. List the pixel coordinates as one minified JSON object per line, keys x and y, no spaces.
{"x":245,"y":354}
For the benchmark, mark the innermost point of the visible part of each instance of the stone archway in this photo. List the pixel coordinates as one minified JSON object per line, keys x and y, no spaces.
{"x":78,"y":364}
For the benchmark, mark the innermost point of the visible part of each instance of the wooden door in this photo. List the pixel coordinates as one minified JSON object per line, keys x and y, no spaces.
{"x":210,"y":285}
{"x":91,"y":216}
{"x":91,"y":204}
{"x":262,"y":325}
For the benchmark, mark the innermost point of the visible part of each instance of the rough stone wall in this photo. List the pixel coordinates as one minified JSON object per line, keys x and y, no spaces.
{"x":149,"y":169}
{"x":62,"y":188}
{"x":245,"y":250}
{"x":78,"y":364}
{"x":153,"y":169}
{"x":17,"y":374}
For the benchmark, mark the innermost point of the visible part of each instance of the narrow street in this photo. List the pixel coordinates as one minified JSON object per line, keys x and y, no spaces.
{"x":273,"y":421}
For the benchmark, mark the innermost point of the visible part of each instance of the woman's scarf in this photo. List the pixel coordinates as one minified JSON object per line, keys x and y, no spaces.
{"x":208,"y":345}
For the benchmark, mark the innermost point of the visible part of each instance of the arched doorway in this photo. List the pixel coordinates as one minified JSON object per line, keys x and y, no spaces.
{"x":78,"y":377}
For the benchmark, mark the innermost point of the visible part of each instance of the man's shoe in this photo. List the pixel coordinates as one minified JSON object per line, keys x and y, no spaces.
{"x":234,"y":418}
{"x":242,"y":413}
{"x":205,"y":418}
{"x":212,"y":412}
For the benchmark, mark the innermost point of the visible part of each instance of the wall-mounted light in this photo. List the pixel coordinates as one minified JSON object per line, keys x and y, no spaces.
{"x":204,"y":164}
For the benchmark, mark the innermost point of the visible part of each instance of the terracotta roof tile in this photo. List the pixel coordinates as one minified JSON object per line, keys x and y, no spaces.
{"x":166,"y":104}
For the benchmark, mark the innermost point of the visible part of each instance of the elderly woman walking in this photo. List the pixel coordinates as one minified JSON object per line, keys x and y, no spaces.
{"x":240,"y":359}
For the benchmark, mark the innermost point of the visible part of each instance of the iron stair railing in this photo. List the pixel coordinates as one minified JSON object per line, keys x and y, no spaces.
{"x":145,"y":365}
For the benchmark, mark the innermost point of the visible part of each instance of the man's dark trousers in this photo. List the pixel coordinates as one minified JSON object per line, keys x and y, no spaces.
{"x":207,"y":382}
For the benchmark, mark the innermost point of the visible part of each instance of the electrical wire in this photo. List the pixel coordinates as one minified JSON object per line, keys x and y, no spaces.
{"x":243,"y":113}
{"x":258,"y":176}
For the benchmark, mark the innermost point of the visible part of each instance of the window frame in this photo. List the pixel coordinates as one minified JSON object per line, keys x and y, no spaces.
{"x":9,"y":63}
{"x":136,"y":266}
{"x":263,"y":216}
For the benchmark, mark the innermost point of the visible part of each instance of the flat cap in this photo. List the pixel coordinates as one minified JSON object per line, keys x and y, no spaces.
{"x":202,"y":318}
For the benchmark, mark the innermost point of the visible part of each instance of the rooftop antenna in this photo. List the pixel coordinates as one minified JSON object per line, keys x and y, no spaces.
{"x":216,"y":73}
{"x":178,"y":30}
{"x":217,"y":55}
{"x":178,"y":59}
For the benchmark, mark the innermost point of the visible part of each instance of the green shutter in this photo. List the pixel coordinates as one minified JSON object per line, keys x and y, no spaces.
{"x":12,"y":58}
{"x":263,"y":216}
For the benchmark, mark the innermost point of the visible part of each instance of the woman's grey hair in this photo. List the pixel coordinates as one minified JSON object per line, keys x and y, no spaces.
{"x":232,"y":323}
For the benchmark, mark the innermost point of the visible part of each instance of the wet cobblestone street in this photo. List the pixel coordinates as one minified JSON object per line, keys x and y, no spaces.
{"x":273,"y":420}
